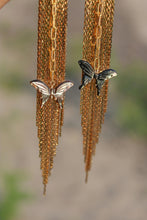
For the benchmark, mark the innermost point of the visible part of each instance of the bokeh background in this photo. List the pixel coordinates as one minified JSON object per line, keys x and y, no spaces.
{"x":117,"y":186}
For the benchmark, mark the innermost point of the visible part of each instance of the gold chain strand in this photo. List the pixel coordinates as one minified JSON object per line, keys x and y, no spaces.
{"x":52,"y":25}
{"x":97,"y":37}
{"x":52,"y":65}
{"x":98,"y":33}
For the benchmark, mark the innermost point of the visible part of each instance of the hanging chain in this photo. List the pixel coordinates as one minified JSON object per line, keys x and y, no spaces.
{"x":53,"y":40}
{"x":99,"y":14}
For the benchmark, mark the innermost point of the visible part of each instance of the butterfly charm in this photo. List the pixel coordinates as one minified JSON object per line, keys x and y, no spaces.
{"x":46,"y":92}
{"x":89,"y":74}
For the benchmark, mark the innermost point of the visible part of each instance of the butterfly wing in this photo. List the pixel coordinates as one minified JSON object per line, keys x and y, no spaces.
{"x":107,"y":74}
{"x":102,"y":76}
{"x":41,"y":86}
{"x":87,"y":68}
{"x":85,"y":80}
{"x":62,"y":88}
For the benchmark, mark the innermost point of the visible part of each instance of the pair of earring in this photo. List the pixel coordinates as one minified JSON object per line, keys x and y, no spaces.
{"x":51,"y":84}
{"x":58,"y":92}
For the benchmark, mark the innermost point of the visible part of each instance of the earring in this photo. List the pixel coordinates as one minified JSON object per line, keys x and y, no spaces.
{"x":97,"y":37}
{"x":50,"y":83}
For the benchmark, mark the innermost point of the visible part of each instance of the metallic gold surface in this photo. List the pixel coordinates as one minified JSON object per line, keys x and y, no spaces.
{"x":52,"y":23}
{"x":97,"y":37}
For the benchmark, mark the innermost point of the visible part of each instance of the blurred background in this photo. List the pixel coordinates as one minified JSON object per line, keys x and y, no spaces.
{"x":117,"y":185}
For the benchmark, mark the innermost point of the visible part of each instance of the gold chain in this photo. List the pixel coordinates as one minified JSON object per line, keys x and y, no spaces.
{"x":53,"y":40}
{"x":99,"y":14}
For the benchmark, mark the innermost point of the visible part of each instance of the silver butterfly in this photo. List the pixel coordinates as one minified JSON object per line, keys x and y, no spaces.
{"x":89,"y":74}
{"x":46,"y":92}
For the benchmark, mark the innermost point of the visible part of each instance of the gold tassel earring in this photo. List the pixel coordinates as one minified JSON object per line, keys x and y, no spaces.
{"x":50,"y":82}
{"x":97,"y":37}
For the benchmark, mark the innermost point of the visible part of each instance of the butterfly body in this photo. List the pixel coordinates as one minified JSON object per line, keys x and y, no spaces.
{"x":89,"y":74}
{"x":53,"y":93}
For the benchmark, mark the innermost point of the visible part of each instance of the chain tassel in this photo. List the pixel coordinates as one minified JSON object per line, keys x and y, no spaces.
{"x":97,"y":37}
{"x":52,"y":24}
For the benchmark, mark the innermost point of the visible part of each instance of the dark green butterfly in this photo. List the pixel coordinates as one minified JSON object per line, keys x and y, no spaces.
{"x":89,"y":74}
